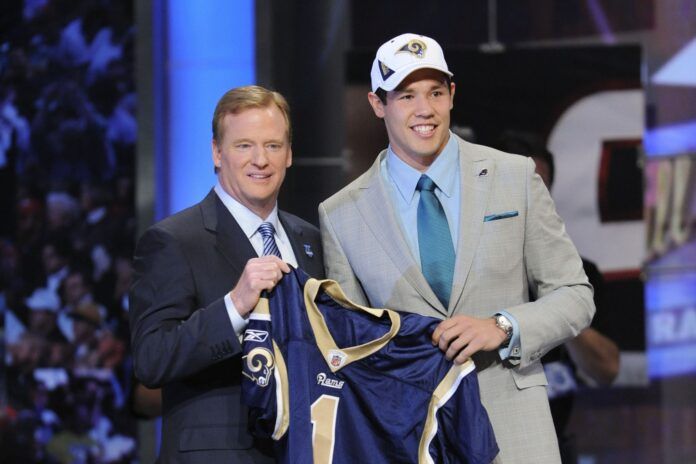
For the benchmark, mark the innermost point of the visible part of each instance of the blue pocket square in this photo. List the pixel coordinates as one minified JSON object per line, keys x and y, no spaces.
{"x":505,"y":215}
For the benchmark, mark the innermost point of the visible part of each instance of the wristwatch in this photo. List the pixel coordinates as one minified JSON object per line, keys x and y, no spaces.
{"x":505,"y":325}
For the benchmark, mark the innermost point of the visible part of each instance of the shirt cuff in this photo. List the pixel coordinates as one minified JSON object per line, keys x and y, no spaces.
{"x":513,"y":351}
{"x":238,"y":322}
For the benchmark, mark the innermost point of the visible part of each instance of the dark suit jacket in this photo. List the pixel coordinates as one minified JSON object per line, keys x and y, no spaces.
{"x":182,"y":338}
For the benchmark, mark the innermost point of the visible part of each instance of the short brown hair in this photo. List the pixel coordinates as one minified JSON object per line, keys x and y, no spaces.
{"x":242,"y":98}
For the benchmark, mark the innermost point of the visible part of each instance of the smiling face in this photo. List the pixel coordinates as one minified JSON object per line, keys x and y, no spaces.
{"x":252,"y":156}
{"x":417,"y":116}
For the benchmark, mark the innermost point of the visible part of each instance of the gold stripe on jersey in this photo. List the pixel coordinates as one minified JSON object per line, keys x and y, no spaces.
{"x":325,"y":342}
{"x":441,"y":395}
{"x":282,"y":394}
{"x":262,"y":308}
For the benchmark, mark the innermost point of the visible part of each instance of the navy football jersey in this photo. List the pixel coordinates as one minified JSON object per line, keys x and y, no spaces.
{"x":333,"y":382}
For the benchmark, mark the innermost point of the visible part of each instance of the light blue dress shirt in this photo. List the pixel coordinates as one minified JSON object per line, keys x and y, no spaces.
{"x":400,"y":180}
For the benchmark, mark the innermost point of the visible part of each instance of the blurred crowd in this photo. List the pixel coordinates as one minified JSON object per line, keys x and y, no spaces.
{"x":67,"y":140}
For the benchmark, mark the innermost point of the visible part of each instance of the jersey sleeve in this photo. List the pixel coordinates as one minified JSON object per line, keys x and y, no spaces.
{"x":458,"y":424}
{"x":264,"y":390}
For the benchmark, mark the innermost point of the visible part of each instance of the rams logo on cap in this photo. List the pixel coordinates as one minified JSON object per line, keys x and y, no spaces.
{"x":415,"y":47}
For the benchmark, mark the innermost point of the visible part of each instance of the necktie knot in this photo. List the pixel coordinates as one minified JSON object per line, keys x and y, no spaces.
{"x":267,"y":230}
{"x":425,"y":183}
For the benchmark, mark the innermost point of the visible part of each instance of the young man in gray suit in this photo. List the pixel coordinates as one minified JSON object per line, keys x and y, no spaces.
{"x":200,"y":272}
{"x":461,"y":232}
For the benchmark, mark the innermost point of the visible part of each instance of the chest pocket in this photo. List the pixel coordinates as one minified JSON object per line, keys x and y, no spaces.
{"x":501,"y":244}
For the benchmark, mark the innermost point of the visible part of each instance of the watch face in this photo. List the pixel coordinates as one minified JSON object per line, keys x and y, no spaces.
{"x":503,"y":322}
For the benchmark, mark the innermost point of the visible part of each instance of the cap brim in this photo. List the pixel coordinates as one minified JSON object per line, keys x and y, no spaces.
{"x":395,"y":79}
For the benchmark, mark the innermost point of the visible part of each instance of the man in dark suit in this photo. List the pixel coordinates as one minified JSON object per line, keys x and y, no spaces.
{"x":200,"y":272}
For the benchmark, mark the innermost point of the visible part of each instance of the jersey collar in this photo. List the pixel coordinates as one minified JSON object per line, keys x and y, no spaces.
{"x":335,"y":357}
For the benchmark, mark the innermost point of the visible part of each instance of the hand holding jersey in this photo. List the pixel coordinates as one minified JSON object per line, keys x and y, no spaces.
{"x":460,"y":337}
{"x":259,"y":274}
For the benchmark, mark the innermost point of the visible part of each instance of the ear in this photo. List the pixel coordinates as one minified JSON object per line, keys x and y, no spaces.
{"x":452,"y":86}
{"x":217,"y":154}
{"x":288,"y":162}
{"x":376,"y":104}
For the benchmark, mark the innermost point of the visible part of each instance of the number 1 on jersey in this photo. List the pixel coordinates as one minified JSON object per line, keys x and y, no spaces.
{"x":324,"y":428}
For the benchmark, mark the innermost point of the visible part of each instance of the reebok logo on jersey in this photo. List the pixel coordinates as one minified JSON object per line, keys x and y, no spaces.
{"x":252,"y":335}
{"x":325,"y":381}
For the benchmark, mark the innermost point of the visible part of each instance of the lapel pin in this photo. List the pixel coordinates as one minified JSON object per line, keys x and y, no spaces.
{"x":308,"y":250}
{"x":484,"y":172}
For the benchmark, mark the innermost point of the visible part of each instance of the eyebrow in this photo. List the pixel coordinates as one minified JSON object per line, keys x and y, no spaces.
{"x":248,"y":140}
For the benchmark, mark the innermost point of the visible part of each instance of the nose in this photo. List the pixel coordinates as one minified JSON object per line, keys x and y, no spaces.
{"x":260,"y":157}
{"x":423,"y":107}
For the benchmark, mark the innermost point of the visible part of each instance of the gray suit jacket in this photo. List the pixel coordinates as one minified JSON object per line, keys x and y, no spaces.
{"x":182,"y":338}
{"x":500,"y":257}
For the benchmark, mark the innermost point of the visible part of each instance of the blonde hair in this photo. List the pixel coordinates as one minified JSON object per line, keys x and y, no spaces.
{"x":242,"y":98}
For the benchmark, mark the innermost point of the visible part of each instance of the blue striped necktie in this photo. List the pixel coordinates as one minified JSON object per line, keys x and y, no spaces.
{"x":434,"y":241}
{"x":267,"y":230}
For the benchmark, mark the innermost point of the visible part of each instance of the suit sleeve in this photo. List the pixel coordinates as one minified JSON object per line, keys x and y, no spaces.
{"x":563,"y":305}
{"x":336,"y":263}
{"x":171,"y":337}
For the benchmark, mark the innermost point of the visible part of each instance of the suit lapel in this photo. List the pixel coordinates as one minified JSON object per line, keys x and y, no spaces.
{"x":231,"y":241}
{"x":386,"y":229}
{"x":305,"y":251}
{"x":476,"y":176}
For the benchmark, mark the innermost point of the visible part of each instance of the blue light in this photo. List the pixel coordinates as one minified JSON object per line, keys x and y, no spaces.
{"x":211,"y":49}
{"x":670,"y":301}
{"x":676,"y":139}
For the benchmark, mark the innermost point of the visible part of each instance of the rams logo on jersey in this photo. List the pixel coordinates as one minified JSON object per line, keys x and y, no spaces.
{"x":414,"y":47}
{"x":258,"y":366}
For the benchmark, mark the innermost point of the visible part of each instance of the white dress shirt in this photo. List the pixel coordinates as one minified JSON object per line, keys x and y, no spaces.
{"x":250,"y":222}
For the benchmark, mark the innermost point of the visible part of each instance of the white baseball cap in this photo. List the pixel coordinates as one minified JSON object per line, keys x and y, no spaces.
{"x":400,"y":56}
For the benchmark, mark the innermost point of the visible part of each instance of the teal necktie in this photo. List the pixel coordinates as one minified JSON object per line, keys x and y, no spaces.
{"x":434,"y":241}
